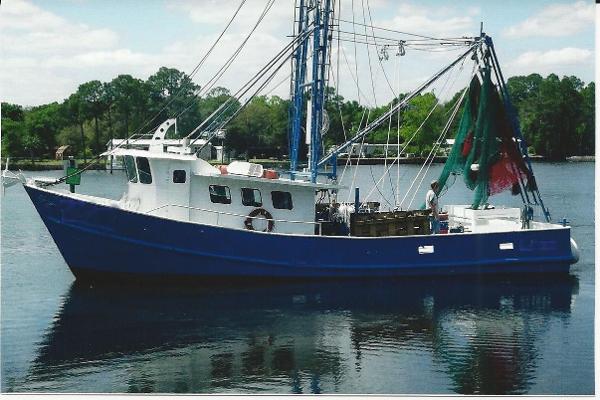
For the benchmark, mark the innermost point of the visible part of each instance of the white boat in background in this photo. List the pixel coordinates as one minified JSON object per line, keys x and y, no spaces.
{"x":9,"y":178}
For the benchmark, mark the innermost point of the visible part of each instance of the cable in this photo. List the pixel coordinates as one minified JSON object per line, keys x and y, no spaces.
{"x":229,"y":61}
{"x":391,"y":30}
{"x":247,"y":86}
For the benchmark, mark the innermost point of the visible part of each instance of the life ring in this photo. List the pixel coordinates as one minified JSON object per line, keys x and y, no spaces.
{"x":255,"y":213}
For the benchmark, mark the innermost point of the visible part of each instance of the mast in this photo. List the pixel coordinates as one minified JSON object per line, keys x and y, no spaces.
{"x":315,"y":16}
{"x":320,"y":44}
{"x":297,"y":86}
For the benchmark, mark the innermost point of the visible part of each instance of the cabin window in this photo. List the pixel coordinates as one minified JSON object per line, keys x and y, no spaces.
{"x":143,"y":167}
{"x":251,"y":197}
{"x":282,"y":200}
{"x":130,"y":169}
{"x":179,"y":176}
{"x":219,"y":194}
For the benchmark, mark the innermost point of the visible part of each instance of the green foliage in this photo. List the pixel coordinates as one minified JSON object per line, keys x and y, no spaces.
{"x":261,"y":127}
{"x":170,"y":92}
{"x":557,"y":117}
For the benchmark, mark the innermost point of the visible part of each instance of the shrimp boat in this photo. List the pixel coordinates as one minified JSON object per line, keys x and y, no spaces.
{"x":183,"y":218}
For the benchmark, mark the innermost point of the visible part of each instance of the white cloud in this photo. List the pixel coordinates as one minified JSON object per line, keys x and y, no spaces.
{"x":219,"y":12}
{"x":556,"y":20}
{"x":433,"y":21}
{"x":28,"y":29}
{"x":556,"y":61}
{"x":45,"y":57}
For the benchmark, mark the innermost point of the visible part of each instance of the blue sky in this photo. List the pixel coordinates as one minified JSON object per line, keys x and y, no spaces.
{"x":50,"y":47}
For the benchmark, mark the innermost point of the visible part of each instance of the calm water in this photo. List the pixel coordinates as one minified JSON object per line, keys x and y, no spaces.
{"x":493,"y":336}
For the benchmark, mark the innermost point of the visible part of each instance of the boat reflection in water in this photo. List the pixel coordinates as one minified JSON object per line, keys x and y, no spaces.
{"x":471,"y":336}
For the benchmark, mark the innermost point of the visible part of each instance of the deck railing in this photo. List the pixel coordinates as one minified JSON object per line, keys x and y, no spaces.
{"x":219,"y":213}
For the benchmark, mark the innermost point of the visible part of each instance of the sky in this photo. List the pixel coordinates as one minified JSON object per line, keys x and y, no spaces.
{"x":49,"y":47}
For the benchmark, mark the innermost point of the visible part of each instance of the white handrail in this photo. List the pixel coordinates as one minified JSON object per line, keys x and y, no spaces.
{"x":319,"y":224}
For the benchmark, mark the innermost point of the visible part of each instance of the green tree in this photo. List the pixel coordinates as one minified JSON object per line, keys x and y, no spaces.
{"x":12,"y":111}
{"x":13,"y":129}
{"x":42,"y":125}
{"x":13,"y":133}
{"x":417,"y":122}
{"x":74,"y":108}
{"x":93,"y":99}
{"x":586,"y":128}
{"x":129,"y":102}
{"x":172,"y":94}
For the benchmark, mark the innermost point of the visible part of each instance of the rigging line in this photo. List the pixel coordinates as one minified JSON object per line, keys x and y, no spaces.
{"x":392,"y":90}
{"x":360,"y":93}
{"x":229,"y":61}
{"x":137,"y":132}
{"x":278,"y":84}
{"x":367,"y":42}
{"x":408,"y":42}
{"x":253,"y":80}
{"x":436,"y":51}
{"x":355,"y":54}
{"x":379,"y":120}
{"x":380,"y":193}
{"x":360,"y":149}
{"x":248,"y":85}
{"x":386,"y":155}
{"x":337,"y":78}
{"x":437,"y":144}
{"x":407,"y":143}
{"x":392,"y":30}
{"x":339,"y":108}
{"x":244,"y":89}
{"x":197,"y":67}
{"x":262,"y":86}
{"x":387,"y":149}
{"x":397,"y":198}
{"x":378,"y":58}
{"x":369,"y":56}
{"x":92,"y":162}
{"x":418,"y":172}
{"x":194,"y":71}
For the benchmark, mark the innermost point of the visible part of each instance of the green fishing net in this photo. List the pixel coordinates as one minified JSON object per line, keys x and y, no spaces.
{"x":485,"y":152}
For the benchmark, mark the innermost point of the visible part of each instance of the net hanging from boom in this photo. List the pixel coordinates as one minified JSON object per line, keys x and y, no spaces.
{"x":485,"y":150}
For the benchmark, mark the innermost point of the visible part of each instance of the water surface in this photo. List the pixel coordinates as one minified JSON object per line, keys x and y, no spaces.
{"x":442,"y":336}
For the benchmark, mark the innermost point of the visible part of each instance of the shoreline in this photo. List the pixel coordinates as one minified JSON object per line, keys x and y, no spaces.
{"x":53,"y":165}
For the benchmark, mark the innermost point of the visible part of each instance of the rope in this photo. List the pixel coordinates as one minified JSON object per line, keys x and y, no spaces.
{"x":229,"y":61}
{"x":396,"y":31}
{"x":407,"y":143}
{"x":438,"y":143}
{"x":94,"y":160}
{"x":246,"y":87}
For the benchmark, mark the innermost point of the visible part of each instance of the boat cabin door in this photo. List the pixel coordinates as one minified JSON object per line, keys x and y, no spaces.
{"x":173,"y":188}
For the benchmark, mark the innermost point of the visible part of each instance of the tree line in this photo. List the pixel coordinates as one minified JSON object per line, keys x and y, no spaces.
{"x":556,"y":116}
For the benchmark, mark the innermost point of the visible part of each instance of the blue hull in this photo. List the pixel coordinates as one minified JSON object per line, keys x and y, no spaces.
{"x":97,"y":241}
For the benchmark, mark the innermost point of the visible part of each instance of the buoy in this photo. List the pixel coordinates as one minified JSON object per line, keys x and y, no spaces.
{"x":574,"y":251}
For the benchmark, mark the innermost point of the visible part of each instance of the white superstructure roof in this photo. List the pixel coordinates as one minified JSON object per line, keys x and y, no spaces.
{"x":149,"y":154}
